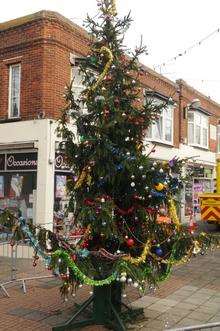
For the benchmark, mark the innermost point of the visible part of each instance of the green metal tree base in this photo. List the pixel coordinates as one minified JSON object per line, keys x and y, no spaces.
{"x":106,"y":310}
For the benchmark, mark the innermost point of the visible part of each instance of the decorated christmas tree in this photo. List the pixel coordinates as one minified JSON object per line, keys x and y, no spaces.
{"x":123,"y":202}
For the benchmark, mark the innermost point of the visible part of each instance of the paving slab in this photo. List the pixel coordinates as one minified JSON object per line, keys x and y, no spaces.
{"x":159,"y":307}
{"x":190,"y":296}
{"x":201,"y":316}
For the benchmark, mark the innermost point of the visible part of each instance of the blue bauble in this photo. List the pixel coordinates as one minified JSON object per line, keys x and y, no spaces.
{"x":159,"y":251}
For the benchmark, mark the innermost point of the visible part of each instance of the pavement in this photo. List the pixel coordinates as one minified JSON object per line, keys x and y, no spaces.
{"x":191,"y":296}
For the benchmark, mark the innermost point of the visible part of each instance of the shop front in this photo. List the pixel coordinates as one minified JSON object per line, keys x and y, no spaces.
{"x":202,"y":180}
{"x":18,"y":180}
{"x":63,"y":173}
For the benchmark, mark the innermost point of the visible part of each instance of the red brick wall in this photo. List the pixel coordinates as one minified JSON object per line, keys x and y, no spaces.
{"x":43,"y":48}
{"x":43,"y":43}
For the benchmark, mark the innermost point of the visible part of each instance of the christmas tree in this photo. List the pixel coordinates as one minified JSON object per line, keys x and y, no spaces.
{"x":123,"y":203}
{"x":123,"y":200}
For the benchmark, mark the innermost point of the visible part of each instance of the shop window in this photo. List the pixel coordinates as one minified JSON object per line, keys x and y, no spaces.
{"x":197,"y":129}
{"x":162,"y":129}
{"x":61,"y":201}
{"x":14,"y":90}
{"x":17,"y":192}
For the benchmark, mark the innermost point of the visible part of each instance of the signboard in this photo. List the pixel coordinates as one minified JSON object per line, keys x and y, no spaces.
{"x":21,"y":161}
{"x":198,"y":188}
{"x":198,"y":171}
{"x":60,"y":163}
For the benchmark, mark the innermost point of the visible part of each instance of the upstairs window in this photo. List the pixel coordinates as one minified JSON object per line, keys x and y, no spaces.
{"x":162,"y":129}
{"x":77,"y":79}
{"x":77,"y":86}
{"x":14,"y":90}
{"x":198,"y":129}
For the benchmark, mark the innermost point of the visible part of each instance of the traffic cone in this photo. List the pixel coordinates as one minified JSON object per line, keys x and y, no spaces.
{"x":192,"y":224}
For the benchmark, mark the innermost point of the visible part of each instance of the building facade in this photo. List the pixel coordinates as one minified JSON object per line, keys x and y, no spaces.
{"x":37,"y":61}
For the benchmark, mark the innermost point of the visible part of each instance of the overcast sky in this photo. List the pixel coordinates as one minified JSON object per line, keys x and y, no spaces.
{"x":168,"y":28}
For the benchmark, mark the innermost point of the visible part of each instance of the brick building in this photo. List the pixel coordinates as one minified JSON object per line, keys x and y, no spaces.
{"x":36,"y":63}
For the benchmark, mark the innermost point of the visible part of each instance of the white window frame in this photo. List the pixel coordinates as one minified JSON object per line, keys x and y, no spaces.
{"x":200,"y":121}
{"x":77,"y":88}
{"x":151,"y":135}
{"x":10,"y":114}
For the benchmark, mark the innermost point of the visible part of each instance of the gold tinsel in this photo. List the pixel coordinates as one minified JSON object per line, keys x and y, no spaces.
{"x":113,"y":10}
{"x":173,"y":213}
{"x":140,"y":259}
{"x":107,"y":51}
{"x":84,"y":177}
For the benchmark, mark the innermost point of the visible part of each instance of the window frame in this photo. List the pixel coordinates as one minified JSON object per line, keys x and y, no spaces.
{"x":151,"y":135}
{"x":79,"y":88}
{"x":10,"y":114}
{"x":198,"y":123}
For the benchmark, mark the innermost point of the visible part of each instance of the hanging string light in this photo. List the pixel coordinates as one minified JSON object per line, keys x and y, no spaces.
{"x":186,"y":51}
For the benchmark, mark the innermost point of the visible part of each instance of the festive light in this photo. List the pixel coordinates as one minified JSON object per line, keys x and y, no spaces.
{"x":187,"y":50}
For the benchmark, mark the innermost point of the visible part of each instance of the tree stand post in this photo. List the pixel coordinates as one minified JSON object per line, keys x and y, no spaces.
{"x":105,"y":311}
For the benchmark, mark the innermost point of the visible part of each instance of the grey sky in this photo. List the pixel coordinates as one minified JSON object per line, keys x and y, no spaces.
{"x":168,"y":28}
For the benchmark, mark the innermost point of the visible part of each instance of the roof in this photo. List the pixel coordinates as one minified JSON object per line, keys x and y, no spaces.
{"x":200,"y":94}
{"x":51,"y":15}
{"x":43,"y":14}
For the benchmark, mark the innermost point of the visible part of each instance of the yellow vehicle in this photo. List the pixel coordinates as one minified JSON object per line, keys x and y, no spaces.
{"x":210,"y":202}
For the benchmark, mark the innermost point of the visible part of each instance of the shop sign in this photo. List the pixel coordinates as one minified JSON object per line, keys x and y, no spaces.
{"x":198,"y":171}
{"x":60,"y":163}
{"x":2,"y":162}
{"x":21,"y":161}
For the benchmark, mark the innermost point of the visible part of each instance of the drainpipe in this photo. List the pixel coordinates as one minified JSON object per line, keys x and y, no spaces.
{"x":218,"y":175}
{"x":180,"y":108}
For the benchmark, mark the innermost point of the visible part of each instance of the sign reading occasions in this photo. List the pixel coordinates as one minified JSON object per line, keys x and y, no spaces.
{"x":21,"y":161}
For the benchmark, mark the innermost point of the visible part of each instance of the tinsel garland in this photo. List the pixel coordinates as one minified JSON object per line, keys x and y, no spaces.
{"x":33,"y":242}
{"x":107,"y":51}
{"x":113,"y":11}
{"x":79,"y":274}
{"x":140,"y":259}
{"x":84,"y":176}
{"x":173,"y":213}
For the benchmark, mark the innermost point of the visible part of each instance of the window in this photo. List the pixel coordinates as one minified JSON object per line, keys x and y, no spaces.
{"x":197,"y":129}
{"x":77,"y":86}
{"x":162,"y":129}
{"x":14,"y":90}
{"x":77,"y":79}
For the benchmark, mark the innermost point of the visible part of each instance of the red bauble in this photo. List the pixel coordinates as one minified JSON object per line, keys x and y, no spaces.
{"x":73,"y":257}
{"x":88,"y":202}
{"x":85,"y":244}
{"x":130,"y":242}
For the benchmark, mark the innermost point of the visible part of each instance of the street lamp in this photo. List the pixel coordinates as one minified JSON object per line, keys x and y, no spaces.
{"x":194,"y":104}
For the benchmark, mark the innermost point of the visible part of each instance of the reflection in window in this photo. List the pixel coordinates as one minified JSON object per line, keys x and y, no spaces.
{"x":197,"y":129}
{"x":162,"y":129}
{"x":14,"y":90}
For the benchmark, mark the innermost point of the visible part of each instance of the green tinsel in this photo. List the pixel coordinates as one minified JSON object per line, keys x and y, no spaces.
{"x":79,"y":274}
